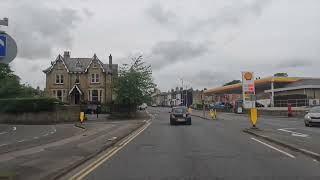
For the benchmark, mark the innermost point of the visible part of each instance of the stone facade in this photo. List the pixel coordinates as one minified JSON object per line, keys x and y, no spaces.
{"x":76,"y":80}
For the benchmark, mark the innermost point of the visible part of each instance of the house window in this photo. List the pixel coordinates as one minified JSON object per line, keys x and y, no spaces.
{"x":95,"y":78}
{"x":95,"y":96}
{"x":59,"y":94}
{"x":77,"y":79}
{"x":100,"y":97}
{"x":59,"y":79}
{"x":95,"y":65}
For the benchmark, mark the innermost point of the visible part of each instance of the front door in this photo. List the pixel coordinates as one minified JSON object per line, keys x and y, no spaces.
{"x":76,"y":97}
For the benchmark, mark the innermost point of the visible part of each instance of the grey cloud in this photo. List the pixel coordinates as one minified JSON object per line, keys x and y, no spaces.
{"x":294,"y":63}
{"x":209,"y":78}
{"x":167,"y":52}
{"x":234,"y":14}
{"x":39,"y":28}
{"x":160,"y":15}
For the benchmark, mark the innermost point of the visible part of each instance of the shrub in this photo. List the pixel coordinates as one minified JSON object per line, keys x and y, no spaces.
{"x":21,"y":105}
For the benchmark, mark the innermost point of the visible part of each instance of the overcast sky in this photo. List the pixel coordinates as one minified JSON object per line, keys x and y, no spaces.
{"x":207,"y":42}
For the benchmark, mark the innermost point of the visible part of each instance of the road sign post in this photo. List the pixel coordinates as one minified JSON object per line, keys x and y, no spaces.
{"x":8,"y":46}
{"x":248,"y":95}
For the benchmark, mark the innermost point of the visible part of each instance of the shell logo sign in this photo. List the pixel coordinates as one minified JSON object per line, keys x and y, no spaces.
{"x":248,"y":75}
{"x":248,"y":90}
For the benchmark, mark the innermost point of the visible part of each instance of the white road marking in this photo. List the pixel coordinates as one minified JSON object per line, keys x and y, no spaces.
{"x":14,"y":128}
{"x":274,"y":148}
{"x":3,"y":145}
{"x":315,"y":160}
{"x":310,"y":152}
{"x":4,"y":132}
{"x":36,"y":137}
{"x":51,"y":132}
{"x":21,"y":141}
{"x":46,"y":134}
{"x":293,"y":133}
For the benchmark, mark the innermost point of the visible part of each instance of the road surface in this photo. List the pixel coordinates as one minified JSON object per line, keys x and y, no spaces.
{"x":205,"y":150}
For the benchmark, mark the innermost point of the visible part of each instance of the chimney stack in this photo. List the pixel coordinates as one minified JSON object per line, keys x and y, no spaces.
{"x":110,"y":60}
{"x":66,"y":55}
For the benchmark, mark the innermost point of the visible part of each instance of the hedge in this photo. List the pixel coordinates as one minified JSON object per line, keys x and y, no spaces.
{"x":21,"y":105}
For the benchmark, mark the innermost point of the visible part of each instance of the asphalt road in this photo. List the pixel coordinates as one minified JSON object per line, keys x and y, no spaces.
{"x":205,"y":150}
{"x":16,"y":137}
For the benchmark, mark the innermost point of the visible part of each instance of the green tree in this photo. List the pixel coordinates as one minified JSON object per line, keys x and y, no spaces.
{"x":10,"y":86}
{"x":9,"y":82}
{"x":135,"y":83}
{"x":281,"y":74}
{"x":232,"y":82}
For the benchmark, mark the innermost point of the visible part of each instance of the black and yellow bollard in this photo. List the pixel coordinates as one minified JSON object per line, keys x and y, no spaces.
{"x":213,"y":114}
{"x":253,"y":116}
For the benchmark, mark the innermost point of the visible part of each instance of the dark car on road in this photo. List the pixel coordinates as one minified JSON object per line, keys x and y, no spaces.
{"x":179,"y":115}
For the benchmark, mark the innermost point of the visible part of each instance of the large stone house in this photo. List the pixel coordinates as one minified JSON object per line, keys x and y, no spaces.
{"x":76,"y":80}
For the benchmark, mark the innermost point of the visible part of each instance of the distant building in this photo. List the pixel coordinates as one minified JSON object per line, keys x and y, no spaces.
{"x":75,"y":80}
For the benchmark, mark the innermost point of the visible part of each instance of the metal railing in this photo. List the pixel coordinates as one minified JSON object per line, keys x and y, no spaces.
{"x":293,"y":102}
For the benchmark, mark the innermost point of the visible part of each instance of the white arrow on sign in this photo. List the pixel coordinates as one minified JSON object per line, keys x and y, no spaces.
{"x":1,"y":42}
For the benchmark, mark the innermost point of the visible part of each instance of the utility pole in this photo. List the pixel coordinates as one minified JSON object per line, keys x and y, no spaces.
{"x":182,"y":94}
{"x":4,"y":22}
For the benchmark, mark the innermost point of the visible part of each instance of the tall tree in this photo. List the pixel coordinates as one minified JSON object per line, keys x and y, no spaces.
{"x":281,"y":74}
{"x":232,"y":82}
{"x":10,"y":86}
{"x":135,"y":82}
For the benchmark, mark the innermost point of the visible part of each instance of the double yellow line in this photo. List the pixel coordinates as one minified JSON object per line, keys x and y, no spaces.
{"x":92,"y":166}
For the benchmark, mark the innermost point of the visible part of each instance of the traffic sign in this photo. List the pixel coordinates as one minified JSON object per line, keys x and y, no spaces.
{"x":3,"y":43}
{"x":8,"y":48}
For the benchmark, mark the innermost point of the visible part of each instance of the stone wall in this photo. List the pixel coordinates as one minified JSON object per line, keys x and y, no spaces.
{"x":59,"y":115}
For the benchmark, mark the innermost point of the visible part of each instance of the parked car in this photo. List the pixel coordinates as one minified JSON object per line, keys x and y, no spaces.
{"x":143,"y":106}
{"x":217,"y":105}
{"x":312,"y":117}
{"x":259,"y":104}
{"x":154,"y":105}
{"x":180,"y":114}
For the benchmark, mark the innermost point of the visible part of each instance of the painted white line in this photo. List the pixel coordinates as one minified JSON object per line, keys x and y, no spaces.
{"x":14,"y":128}
{"x":316,"y":154}
{"x":84,"y":172}
{"x":46,"y":134}
{"x":4,"y":132}
{"x":3,"y":145}
{"x":51,"y":132}
{"x":36,"y":137}
{"x":315,"y":160}
{"x":274,"y":148}
{"x":293,"y":133}
{"x":21,"y":141}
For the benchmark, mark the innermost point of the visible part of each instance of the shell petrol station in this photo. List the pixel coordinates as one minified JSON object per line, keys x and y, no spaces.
{"x":271,"y":92}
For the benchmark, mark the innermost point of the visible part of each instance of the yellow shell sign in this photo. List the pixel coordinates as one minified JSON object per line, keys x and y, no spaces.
{"x":248,"y":75}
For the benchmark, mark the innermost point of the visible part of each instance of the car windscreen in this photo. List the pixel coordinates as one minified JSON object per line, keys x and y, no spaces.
{"x":179,"y":110}
{"x":315,"y":110}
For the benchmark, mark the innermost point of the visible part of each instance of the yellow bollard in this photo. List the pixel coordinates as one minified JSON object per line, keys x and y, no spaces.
{"x":213,"y":114}
{"x":254,"y":116}
{"x":81,"y":117}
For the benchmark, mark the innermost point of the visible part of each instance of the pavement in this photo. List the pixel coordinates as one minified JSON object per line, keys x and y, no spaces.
{"x":209,"y":149}
{"x":50,"y":151}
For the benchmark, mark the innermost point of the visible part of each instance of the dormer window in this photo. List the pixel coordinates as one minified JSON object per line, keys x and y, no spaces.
{"x":78,"y":65}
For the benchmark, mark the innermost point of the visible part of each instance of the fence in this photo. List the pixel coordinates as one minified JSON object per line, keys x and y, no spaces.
{"x":293,"y":102}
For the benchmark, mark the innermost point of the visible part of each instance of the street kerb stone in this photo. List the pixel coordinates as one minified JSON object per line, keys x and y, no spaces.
{"x":258,"y":133}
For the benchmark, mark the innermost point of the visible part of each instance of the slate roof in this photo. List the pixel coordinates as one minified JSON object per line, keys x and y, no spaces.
{"x":80,"y":65}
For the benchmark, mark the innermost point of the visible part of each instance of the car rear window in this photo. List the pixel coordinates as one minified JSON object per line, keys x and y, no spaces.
{"x":180,"y":110}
